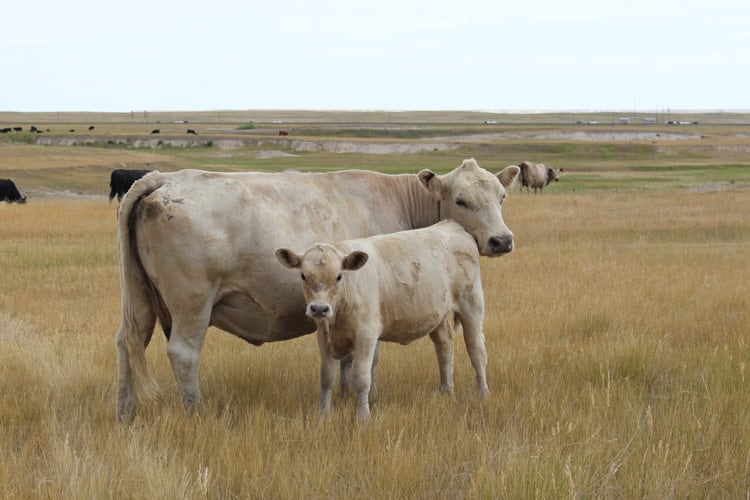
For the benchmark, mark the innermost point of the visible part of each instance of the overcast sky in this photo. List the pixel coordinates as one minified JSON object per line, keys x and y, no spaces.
{"x":80,"y":55}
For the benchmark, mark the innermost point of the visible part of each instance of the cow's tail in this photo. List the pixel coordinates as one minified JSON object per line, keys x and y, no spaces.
{"x":140,"y":300}
{"x":523,"y":179}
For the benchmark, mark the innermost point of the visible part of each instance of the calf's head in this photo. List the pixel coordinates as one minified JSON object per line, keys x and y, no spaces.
{"x":473,"y":197}
{"x":321,"y":272}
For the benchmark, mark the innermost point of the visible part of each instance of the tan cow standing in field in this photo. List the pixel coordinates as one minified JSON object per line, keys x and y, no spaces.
{"x":197,"y":249}
{"x":406,"y":286}
{"x":537,"y":175}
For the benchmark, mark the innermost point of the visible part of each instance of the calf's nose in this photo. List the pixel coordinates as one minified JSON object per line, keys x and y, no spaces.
{"x":318,"y":310}
{"x":501,"y":244}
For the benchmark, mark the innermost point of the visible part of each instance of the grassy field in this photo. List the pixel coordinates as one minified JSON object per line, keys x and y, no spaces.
{"x":596,"y":157}
{"x":618,"y":336}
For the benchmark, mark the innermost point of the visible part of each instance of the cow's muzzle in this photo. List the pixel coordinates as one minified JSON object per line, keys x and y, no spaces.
{"x":315,"y":310}
{"x":499,"y":245}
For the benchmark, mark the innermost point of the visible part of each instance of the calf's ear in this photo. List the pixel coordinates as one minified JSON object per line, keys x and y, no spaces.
{"x":354,"y":261}
{"x":507,"y":175}
{"x":288,"y":258}
{"x":431,"y":183}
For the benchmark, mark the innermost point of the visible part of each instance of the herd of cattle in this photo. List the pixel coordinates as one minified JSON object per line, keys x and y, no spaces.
{"x":275,"y":271}
{"x":36,"y":130}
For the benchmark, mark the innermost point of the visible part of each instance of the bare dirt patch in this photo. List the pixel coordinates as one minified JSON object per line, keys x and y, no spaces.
{"x":616,"y":136}
{"x":52,"y":194}
{"x":273,"y":153}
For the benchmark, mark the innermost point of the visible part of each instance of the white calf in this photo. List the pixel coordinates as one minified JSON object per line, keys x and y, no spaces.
{"x":410,"y":285}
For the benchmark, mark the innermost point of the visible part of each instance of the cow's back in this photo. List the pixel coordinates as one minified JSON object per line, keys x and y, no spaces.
{"x":533,"y":175}
{"x":416,"y":277}
{"x":205,"y":237}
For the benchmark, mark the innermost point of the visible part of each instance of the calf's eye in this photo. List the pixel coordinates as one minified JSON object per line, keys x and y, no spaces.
{"x":302,"y":275}
{"x":338,"y":278}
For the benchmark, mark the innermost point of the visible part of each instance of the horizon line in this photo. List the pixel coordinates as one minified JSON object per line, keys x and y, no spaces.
{"x":403,"y":110}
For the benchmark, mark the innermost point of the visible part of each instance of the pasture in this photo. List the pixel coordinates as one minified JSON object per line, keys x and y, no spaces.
{"x":618,"y":337}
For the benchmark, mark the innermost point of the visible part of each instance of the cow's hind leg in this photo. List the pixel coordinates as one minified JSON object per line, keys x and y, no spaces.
{"x":184,"y":351}
{"x":442,"y":338}
{"x":133,"y":378}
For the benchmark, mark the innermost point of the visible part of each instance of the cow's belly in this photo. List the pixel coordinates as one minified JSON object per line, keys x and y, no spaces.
{"x":406,"y":331}
{"x":240,"y":315}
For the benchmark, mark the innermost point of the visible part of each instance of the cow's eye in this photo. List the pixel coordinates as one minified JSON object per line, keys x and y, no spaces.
{"x":338,"y":278}
{"x":302,"y":275}
{"x":461,"y":203}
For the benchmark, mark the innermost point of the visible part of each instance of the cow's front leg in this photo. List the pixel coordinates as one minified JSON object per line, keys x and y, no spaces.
{"x":373,"y":385}
{"x":345,"y":381}
{"x":345,"y":378}
{"x":364,"y":352}
{"x":327,"y":375}
{"x":474,"y":340}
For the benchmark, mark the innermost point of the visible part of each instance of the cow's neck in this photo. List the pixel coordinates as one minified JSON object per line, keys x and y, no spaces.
{"x":422,"y":209}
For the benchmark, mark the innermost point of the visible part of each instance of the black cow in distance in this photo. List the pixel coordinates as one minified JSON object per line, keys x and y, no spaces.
{"x":121,"y":180}
{"x":9,"y":192}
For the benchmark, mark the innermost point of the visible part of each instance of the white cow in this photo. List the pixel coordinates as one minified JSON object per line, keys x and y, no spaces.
{"x":407,"y":286}
{"x":197,"y":249}
{"x":537,"y":175}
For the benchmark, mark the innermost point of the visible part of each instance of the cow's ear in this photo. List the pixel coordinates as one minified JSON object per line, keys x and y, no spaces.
{"x":354,"y":261}
{"x":431,"y":183}
{"x":507,"y":175}
{"x":288,"y":258}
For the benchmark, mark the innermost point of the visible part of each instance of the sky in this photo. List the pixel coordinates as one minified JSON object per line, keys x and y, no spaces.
{"x":491,"y":55}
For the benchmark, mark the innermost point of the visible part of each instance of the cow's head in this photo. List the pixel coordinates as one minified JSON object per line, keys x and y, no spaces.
{"x":473,"y":197}
{"x":321,"y":272}
{"x":553,"y":174}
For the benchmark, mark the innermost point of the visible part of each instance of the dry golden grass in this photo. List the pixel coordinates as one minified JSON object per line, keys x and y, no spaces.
{"x":618,"y":336}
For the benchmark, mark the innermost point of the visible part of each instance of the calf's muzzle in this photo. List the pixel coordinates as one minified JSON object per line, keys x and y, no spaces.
{"x":316,"y":310}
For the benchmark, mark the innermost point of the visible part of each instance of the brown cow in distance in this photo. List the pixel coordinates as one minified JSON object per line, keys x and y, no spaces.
{"x":537,"y":175}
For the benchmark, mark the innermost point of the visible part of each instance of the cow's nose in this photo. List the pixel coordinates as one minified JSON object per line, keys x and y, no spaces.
{"x":318,"y":310}
{"x":501,"y":244}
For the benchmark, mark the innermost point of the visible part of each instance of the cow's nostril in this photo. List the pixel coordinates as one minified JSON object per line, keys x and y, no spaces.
{"x":501,"y":244}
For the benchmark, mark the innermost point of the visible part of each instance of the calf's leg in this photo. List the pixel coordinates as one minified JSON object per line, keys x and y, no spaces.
{"x":442,"y":338}
{"x":365,"y":346}
{"x":327,"y":375}
{"x":474,"y":340}
{"x":346,"y":374}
